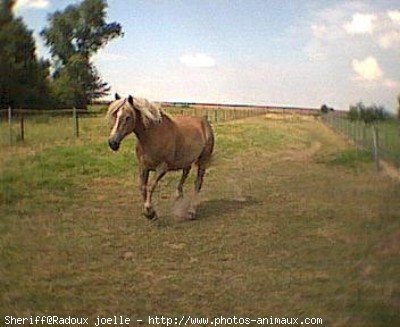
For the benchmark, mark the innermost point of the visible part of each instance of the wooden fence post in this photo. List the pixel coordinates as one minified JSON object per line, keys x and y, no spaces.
{"x":75,"y":123}
{"x":375,"y":136}
{"x":22,"y":130}
{"x":9,"y":124}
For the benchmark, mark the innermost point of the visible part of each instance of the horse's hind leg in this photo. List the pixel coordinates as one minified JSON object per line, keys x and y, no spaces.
{"x":149,"y":212}
{"x":179,"y":190}
{"x":199,"y":180}
{"x":197,"y":187}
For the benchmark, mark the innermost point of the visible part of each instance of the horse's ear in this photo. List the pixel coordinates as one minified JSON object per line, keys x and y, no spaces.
{"x":117,"y":97}
{"x":130,"y":99}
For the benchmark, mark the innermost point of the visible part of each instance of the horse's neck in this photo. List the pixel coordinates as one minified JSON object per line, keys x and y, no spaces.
{"x":139,"y":129}
{"x":144,"y":133}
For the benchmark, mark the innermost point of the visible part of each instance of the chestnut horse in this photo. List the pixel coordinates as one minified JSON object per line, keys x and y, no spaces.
{"x":163,"y":144}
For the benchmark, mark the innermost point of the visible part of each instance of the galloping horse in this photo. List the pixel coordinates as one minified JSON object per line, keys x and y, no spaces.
{"x":163,"y":144}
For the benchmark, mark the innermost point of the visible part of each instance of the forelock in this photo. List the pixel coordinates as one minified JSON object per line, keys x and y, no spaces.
{"x":115,"y":106}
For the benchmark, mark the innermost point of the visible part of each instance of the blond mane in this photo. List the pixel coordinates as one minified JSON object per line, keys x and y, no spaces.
{"x":150,"y":112}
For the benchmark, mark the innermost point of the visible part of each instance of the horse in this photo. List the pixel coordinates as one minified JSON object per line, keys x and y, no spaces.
{"x":163,"y":144}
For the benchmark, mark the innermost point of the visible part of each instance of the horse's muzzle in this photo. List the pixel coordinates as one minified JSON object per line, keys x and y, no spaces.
{"x":113,"y":145}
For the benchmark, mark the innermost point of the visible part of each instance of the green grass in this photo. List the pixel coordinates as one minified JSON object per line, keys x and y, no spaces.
{"x":293,"y":222}
{"x":43,"y":130}
{"x":351,"y":158}
{"x":62,"y":170}
{"x":388,"y":132}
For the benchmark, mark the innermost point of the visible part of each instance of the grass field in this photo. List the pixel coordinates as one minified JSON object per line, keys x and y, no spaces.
{"x":293,"y":222}
{"x":362,"y":134}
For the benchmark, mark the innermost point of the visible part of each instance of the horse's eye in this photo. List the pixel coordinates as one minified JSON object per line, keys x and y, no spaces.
{"x":128,"y":118}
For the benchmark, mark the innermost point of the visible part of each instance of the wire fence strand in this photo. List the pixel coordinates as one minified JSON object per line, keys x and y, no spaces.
{"x":387,"y":135}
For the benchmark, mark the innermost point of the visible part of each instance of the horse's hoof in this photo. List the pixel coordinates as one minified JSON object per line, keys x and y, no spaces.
{"x":150,"y":213}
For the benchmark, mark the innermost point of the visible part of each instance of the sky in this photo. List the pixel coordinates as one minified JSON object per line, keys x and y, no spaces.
{"x":265,"y":52}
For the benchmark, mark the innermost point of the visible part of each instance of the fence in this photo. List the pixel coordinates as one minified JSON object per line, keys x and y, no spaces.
{"x":382,"y":138}
{"x":19,"y":120}
{"x":20,"y":125}
{"x":215,"y":115}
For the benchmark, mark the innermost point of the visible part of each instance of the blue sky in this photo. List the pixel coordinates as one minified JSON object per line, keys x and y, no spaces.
{"x":301,"y":53}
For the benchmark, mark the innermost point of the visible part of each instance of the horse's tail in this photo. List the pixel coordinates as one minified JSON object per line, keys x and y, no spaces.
{"x":206,"y":154}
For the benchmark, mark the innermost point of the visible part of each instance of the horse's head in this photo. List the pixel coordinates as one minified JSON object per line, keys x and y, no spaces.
{"x":122,"y":118}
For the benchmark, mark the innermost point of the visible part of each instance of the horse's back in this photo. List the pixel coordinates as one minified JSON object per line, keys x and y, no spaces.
{"x":195,"y":139}
{"x":194,"y":127}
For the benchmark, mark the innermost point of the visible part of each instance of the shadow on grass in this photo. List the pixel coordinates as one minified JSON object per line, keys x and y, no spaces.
{"x":223,"y":206}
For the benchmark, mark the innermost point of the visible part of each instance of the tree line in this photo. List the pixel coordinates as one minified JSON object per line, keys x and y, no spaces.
{"x":366,"y":113}
{"x":69,"y":78}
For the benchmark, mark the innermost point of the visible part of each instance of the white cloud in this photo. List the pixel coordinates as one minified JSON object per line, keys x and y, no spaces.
{"x":367,"y":69}
{"x":360,"y":24}
{"x":390,"y":39}
{"x":36,"y":4}
{"x":394,"y":15}
{"x":197,"y":60}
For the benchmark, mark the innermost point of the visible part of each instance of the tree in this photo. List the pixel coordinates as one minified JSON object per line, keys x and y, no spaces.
{"x":74,"y":35}
{"x":23,"y":78}
{"x":398,"y":107}
{"x":367,"y":114}
{"x":325,"y":109}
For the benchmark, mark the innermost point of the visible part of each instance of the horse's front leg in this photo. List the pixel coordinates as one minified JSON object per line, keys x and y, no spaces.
{"x":143,"y":180}
{"x":149,"y":212}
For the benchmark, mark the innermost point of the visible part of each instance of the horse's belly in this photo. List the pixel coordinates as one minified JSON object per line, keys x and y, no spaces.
{"x":172,"y":163}
{"x":185,"y":156}
{"x":180,"y":164}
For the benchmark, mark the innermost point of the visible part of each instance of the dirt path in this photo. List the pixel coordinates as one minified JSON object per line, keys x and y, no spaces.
{"x":390,"y":171}
{"x":303,"y":154}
